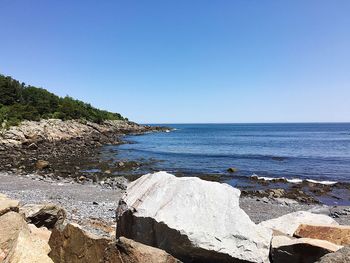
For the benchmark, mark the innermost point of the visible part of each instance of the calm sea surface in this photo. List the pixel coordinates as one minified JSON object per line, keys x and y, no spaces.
{"x":306,"y":151}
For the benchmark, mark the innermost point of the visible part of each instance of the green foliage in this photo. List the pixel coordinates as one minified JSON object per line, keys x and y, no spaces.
{"x":19,"y":102}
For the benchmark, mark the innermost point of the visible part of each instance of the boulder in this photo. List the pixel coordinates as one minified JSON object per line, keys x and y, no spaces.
{"x":285,"y":249}
{"x":339,"y":235}
{"x":11,"y":224}
{"x":47,"y":215}
{"x":41,"y":164}
{"x":18,"y":244}
{"x":7,"y":205}
{"x":191,"y":219}
{"x":289,"y":223}
{"x":29,"y":249}
{"x":41,"y":233}
{"x":75,"y":245}
{"x":132,"y":252}
{"x":341,"y":256}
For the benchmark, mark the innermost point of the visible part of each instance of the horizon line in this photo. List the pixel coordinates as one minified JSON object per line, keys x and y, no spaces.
{"x":308,"y":122}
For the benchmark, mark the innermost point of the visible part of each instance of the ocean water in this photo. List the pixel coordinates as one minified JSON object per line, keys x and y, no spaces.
{"x":317,"y":151}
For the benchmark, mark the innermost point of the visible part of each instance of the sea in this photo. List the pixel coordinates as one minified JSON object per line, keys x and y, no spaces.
{"x":296,"y":151}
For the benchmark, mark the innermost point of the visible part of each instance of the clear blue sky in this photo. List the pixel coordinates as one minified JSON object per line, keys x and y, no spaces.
{"x":186,"y":61}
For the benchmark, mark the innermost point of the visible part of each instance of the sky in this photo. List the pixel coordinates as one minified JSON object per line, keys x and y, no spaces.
{"x":186,"y":61}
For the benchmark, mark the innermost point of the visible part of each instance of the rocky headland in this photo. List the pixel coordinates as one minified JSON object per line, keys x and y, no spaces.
{"x":64,"y":148}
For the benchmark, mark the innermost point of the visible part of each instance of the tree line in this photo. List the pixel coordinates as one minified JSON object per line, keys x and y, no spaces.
{"x":19,"y":102}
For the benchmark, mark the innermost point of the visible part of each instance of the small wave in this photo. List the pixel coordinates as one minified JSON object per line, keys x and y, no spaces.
{"x":321,"y":182}
{"x":292,"y":181}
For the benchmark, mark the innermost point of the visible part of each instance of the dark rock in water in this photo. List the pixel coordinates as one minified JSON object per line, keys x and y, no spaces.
{"x":232,"y":170}
{"x":41,"y":164}
{"x":341,"y":256}
{"x":48,"y":215}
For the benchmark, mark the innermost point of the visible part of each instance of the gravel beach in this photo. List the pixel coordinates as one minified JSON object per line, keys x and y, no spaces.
{"x":93,"y":206}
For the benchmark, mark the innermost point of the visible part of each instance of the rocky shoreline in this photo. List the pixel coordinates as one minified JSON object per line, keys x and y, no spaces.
{"x":57,"y":148}
{"x":72,"y":150}
{"x":92,"y":215}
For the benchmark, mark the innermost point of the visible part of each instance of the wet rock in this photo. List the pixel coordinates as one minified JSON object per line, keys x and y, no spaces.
{"x":339,"y":235}
{"x":341,"y":256}
{"x":192,"y":219}
{"x":289,"y":223}
{"x":306,"y":250}
{"x":232,"y":170}
{"x":48,"y":215}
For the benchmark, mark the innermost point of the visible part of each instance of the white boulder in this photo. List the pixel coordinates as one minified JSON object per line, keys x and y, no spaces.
{"x":289,"y":223}
{"x":192,"y":219}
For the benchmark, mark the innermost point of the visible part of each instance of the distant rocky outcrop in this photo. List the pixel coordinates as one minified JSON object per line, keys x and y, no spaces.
{"x":32,"y":133}
{"x":192,"y":219}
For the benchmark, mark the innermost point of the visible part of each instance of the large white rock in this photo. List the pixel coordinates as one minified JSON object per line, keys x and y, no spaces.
{"x":192,"y":219}
{"x":289,"y":223}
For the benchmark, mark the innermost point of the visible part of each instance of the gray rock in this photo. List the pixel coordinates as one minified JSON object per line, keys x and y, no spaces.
{"x":341,"y":256}
{"x":322,"y":209}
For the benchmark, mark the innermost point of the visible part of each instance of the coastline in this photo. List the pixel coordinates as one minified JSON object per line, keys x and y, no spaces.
{"x":92,"y":201}
{"x":80,"y":152}
{"x":70,"y":154}
{"x":86,"y":203}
